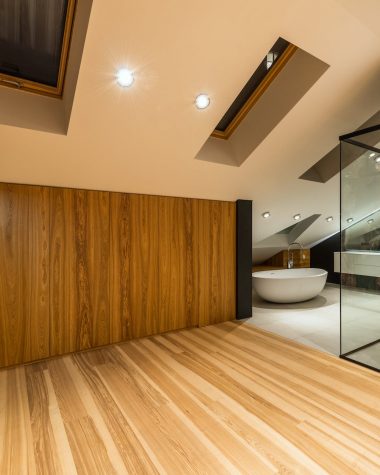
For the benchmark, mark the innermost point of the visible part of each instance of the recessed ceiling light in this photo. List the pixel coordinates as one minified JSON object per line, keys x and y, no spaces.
{"x":370,"y":221}
{"x":297,"y":217}
{"x":349,"y":220}
{"x":329,"y":219}
{"x":377,"y":159}
{"x":371,"y":155}
{"x":202,"y":101}
{"x":266,"y":214}
{"x":125,"y":77}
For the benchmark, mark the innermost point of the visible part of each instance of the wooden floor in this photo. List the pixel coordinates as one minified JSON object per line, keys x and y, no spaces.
{"x":224,"y":399}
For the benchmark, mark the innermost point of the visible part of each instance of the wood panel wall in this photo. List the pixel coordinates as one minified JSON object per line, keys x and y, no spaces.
{"x":216,"y":268}
{"x":301,"y":258}
{"x":24,"y":286}
{"x":81,"y":269}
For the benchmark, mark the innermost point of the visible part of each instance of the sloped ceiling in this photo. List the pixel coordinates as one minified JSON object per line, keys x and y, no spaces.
{"x":145,"y":139}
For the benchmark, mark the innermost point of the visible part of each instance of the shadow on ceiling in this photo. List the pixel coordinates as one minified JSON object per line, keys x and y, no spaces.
{"x":329,"y":165}
{"x":47,"y":114}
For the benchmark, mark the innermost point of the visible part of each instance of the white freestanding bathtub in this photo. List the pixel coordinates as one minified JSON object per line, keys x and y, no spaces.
{"x":289,"y":285}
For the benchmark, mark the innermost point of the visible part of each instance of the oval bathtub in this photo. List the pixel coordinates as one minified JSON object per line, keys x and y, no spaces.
{"x":289,"y":285}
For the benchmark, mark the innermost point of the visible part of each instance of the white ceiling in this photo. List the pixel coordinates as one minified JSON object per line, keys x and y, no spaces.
{"x":145,"y":139}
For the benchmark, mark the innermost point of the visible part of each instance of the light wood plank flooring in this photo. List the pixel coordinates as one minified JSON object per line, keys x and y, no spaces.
{"x":223,"y":399}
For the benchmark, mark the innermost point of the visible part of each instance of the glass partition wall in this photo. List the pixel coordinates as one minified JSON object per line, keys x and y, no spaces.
{"x":360,"y":247}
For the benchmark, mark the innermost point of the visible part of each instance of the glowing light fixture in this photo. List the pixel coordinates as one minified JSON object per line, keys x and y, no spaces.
{"x":329,"y":219}
{"x":371,"y":155}
{"x":349,"y":220}
{"x":266,"y":215}
{"x":202,"y":101}
{"x":371,"y":221}
{"x":125,"y":77}
{"x":297,"y":216}
{"x":377,"y":159}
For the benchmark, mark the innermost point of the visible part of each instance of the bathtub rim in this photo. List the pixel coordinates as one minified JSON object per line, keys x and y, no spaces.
{"x":281,"y":274}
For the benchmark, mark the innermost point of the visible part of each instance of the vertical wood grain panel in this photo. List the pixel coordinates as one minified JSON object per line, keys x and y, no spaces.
{"x":13,"y":273}
{"x":100,"y":265}
{"x":37,"y":290}
{"x":79,"y":271}
{"x":217,"y":260}
{"x":120,"y":279}
{"x":24,"y":286}
{"x":301,"y":258}
{"x":63,"y":334}
{"x":92,"y":241}
{"x":144,"y":265}
{"x":177,"y":264}
{"x":134,"y":266}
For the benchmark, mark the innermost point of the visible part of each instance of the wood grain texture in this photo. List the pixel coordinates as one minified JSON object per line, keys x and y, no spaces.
{"x":37,"y":291}
{"x":172,"y":264}
{"x":84,"y":268}
{"x":79,"y":270}
{"x":92,"y":242}
{"x":222,"y":399}
{"x":217,"y":261}
{"x":13,"y":270}
{"x":301,"y":258}
{"x":43,"y":441}
{"x":24,"y":261}
{"x":63,"y":327}
{"x":120,"y":258}
{"x":134,"y":266}
{"x":177,"y":264}
{"x":16,"y":449}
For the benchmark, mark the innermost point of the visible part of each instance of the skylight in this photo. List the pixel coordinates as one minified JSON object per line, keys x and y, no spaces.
{"x":34,"y":43}
{"x":267,"y":70}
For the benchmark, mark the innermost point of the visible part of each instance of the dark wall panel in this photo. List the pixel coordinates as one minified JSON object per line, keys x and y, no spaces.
{"x":322,"y":257}
{"x":243,"y":259}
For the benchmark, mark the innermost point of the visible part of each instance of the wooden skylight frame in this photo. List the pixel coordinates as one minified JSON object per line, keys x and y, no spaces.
{"x":36,"y":87}
{"x":273,"y":72}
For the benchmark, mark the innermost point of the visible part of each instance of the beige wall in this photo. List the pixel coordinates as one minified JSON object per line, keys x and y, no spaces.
{"x":145,"y":139}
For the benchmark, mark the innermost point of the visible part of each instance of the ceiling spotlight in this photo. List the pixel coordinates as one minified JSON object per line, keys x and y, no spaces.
{"x":329,"y":219}
{"x":125,"y":77}
{"x":297,"y":217}
{"x":371,"y":155}
{"x":377,"y":159}
{"x":371,"y":221}
{"x":349,"y":220}
{"x":266,"y":215}
{"x":202,"y":101}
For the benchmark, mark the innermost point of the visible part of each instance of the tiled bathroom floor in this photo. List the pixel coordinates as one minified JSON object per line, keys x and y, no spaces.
{"x":369,"y":356}
{"x":316,"y":322}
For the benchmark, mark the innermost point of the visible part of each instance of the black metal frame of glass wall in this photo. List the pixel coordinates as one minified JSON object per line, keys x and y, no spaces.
{"x":351,"y":139}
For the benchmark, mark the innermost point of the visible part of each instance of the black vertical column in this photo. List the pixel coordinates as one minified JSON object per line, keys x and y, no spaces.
{"x":243,"y":259}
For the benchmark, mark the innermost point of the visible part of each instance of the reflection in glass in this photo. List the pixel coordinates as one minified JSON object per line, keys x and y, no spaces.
{"x":360,"y":247}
